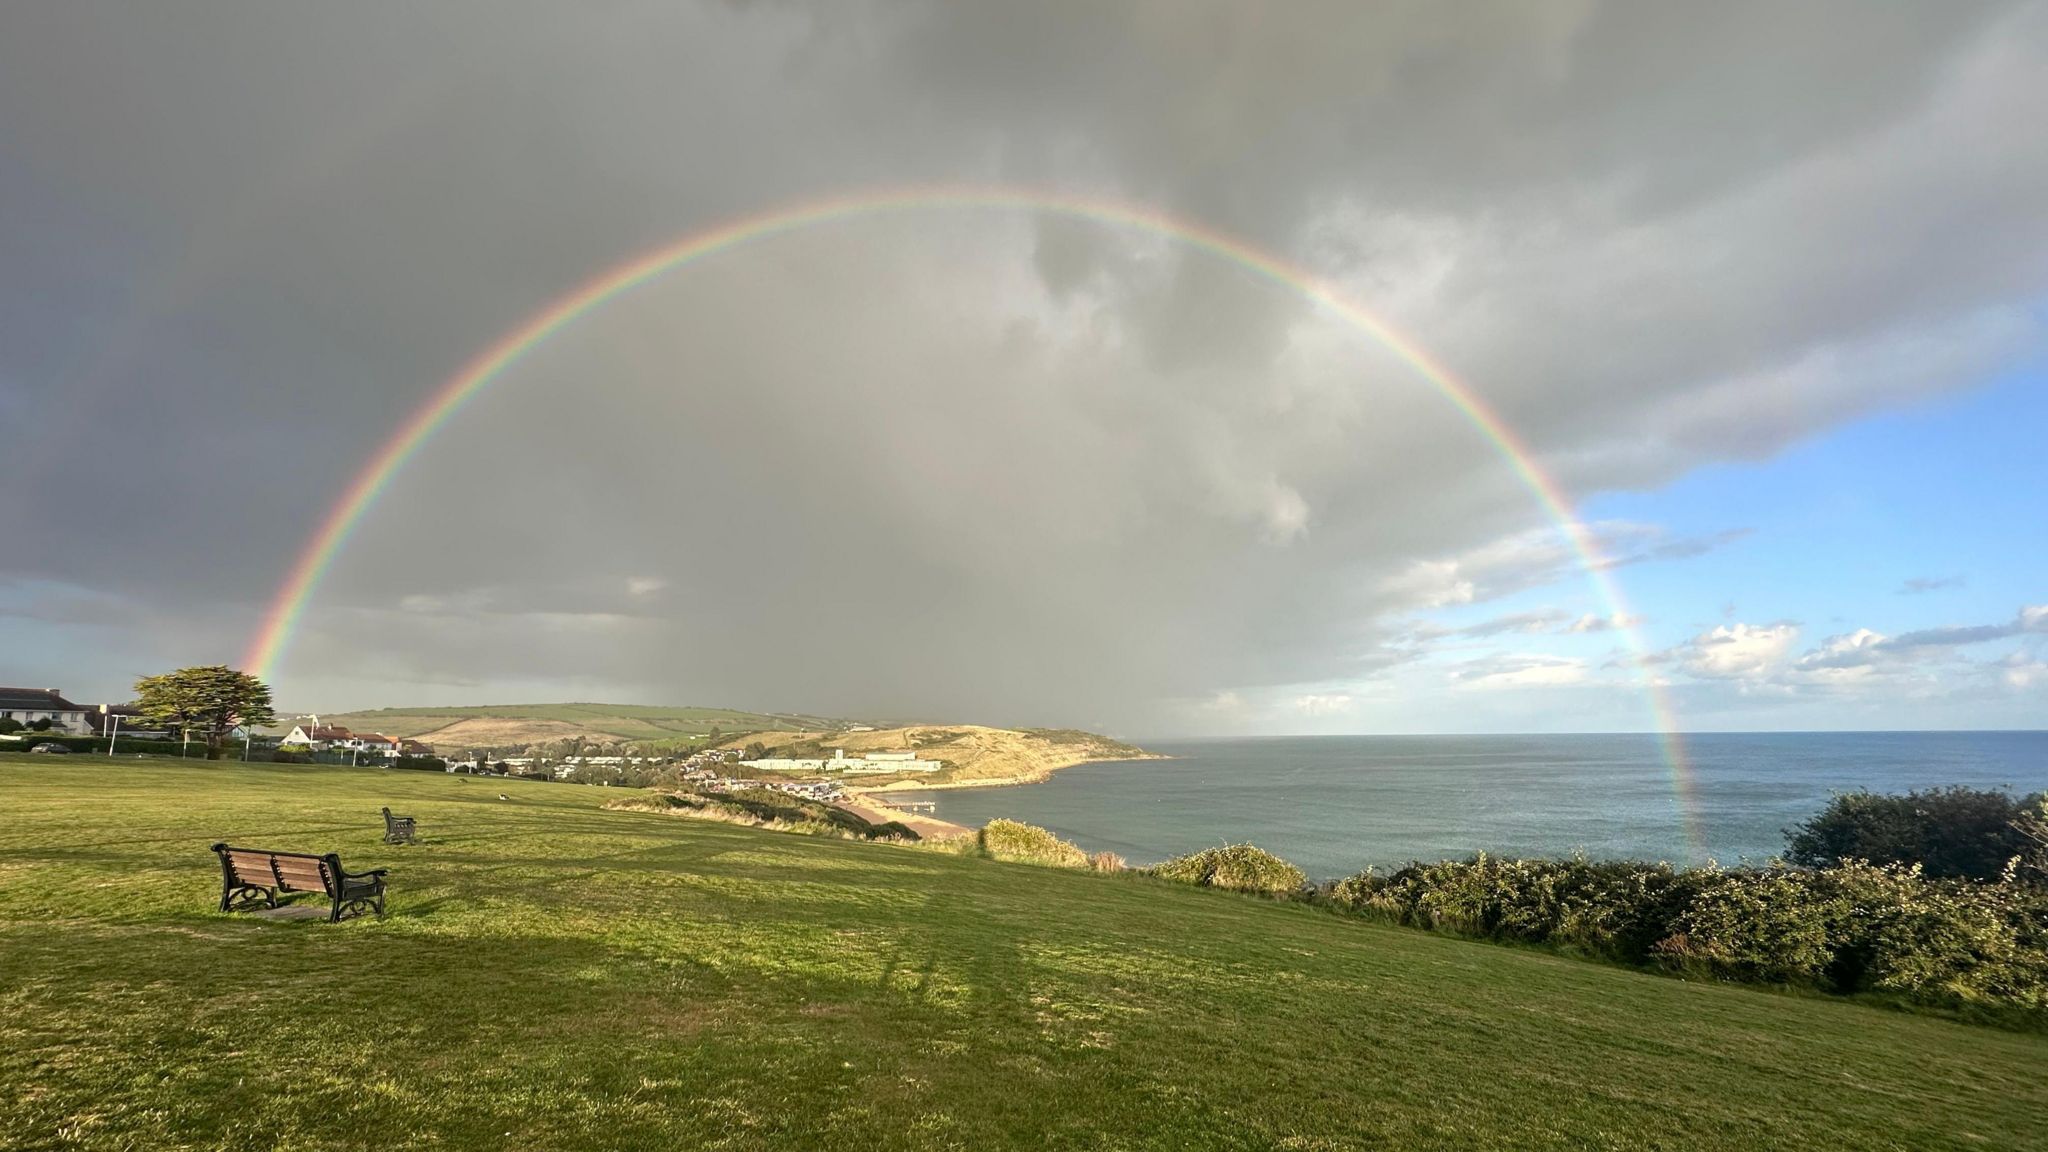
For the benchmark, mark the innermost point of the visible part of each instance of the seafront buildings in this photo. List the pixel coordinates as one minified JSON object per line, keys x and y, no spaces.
{"x":872,"y":764}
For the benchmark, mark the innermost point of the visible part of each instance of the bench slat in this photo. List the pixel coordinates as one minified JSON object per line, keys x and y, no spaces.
{"x":251,"y":867}
{"x":306,"y":874}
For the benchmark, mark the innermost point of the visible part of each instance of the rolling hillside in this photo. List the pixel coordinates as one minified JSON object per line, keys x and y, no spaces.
{"x":497,"y":725}
{"x":552,"y":974}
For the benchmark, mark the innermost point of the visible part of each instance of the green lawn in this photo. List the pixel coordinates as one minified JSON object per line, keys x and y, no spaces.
{"x":553,"y":975}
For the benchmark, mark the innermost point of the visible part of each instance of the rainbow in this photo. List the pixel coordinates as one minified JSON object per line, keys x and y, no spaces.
{"x":281,"y":619}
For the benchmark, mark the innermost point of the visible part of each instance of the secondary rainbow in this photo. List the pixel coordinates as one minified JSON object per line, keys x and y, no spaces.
{"x":282,"y":618}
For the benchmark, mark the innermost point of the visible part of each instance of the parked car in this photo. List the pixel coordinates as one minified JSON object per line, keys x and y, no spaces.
{"x":59,"y":749}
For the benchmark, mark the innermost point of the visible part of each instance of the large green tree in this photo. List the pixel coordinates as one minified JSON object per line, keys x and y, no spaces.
{"x":1968,"y":832}
{"x":209,"y":701}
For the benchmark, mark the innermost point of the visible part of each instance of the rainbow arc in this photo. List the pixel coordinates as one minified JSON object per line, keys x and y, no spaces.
{"x":282,"y":618}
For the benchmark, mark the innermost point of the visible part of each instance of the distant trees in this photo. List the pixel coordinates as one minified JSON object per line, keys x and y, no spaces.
{"x":756,"y":751}
{"x":209,"y":701}
{"x":1962,"y":832}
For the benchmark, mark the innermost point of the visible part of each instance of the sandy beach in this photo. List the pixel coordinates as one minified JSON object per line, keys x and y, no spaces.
{"x":876,"y":812}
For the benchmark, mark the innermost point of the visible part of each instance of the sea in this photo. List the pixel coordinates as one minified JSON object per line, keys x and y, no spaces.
{"x":1336,"y":804}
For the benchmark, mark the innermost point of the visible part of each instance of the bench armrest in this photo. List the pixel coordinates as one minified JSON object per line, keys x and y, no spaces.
{"x":361,"y":875}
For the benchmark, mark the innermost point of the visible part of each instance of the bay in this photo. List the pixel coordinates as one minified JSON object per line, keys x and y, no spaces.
{"x":1334,"y":804}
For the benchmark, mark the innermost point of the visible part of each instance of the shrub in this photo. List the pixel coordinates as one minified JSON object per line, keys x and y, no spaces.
{"x":1970,"y":832}
{"x":9,"y":725}
{"x":1107,"y":862}
{"x":1236,"y":867}
{"x":1774,"y":925}
{"x":1028,"y":844}
{"x":1854,"y":928}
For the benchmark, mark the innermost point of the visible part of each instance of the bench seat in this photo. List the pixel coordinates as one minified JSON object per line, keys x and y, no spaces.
{"x":399,"y":829}
{"x":253,"y":876}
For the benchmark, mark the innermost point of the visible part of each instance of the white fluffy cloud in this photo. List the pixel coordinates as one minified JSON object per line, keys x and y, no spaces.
{"x":1738,"y":651}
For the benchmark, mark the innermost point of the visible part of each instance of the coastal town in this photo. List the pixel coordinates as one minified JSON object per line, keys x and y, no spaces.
{"x":45,"y":720}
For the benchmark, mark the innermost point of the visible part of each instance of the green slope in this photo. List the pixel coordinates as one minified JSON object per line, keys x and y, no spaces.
{"x":625,"y":721}
{"x":553,"y":975}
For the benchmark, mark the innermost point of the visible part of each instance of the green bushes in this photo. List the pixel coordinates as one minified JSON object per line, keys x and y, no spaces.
{"x":1969,"y":832}
{"x":1853,"y":928}
{"x":1235,"y":867}
{"x":123,"y":745}
{"x":1028,"y":844}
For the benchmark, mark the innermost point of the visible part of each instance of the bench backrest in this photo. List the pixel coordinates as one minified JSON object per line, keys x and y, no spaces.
{"x":286,"y":871}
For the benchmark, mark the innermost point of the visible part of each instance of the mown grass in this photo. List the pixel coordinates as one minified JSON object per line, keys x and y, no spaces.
{"x":556,"y":975}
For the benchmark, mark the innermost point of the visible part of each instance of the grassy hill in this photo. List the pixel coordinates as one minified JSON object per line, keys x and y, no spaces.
{"x":554,"y":975}
{"x":499,"y":725}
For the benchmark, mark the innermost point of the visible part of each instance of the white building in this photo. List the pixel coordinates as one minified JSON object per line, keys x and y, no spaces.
{"x":874,"y":763}
{"x":317,"y":738}
{"x":29,"y":705}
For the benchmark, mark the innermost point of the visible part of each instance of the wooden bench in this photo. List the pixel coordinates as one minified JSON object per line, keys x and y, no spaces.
{"x":399,"y":829}
{"x":249,"y":876}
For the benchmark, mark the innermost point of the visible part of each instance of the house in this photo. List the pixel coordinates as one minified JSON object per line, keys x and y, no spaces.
{"x":29,"y":705}
{"x":126,"y":720}
{"x":375,"y":743}
{"x":414,"y":748}
{"x":874,"y":763}
{"x":317,"y":738}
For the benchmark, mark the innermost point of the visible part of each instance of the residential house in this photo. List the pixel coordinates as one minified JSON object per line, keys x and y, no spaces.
{"x":317,"y":738}
{"x":29,"y":705}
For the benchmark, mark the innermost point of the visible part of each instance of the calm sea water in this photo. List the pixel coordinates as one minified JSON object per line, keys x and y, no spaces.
{"x":1334,"y":804}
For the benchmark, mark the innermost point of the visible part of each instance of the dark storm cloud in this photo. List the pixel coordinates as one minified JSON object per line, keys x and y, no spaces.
{"x":977,"y":464}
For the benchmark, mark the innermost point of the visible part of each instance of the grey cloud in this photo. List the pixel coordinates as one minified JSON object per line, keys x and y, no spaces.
{"x":993,"y":465}
{"x":1541,"y":556}
{"x":2032,"y":619}
{"x":1920,"y":585}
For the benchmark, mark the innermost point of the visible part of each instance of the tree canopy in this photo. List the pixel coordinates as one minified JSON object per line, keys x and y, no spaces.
{"x":209,"y":700}
{"x":1969,"y":832}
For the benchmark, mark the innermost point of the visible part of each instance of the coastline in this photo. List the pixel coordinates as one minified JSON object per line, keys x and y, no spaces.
{"x":879,"y":812}
{"x":1035,"y":776}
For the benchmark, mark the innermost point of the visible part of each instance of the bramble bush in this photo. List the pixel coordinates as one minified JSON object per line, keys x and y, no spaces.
{"x":1236,"y":868}
{"x":1028,"y":844}
{"x":1855,"y":927}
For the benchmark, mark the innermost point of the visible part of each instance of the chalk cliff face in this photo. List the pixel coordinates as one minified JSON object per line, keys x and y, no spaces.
{"x":972,"y":754}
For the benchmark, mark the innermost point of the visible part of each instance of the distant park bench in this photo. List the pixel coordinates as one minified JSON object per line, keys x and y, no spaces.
{"x":399,"y":829}
{"x":252,"y":875}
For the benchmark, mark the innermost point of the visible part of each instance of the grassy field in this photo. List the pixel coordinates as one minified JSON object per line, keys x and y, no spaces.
{"x":553,"y":975}
{"x":553,"y":721}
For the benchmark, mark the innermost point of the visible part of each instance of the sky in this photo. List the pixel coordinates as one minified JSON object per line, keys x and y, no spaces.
{"x":1762,"y":290}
